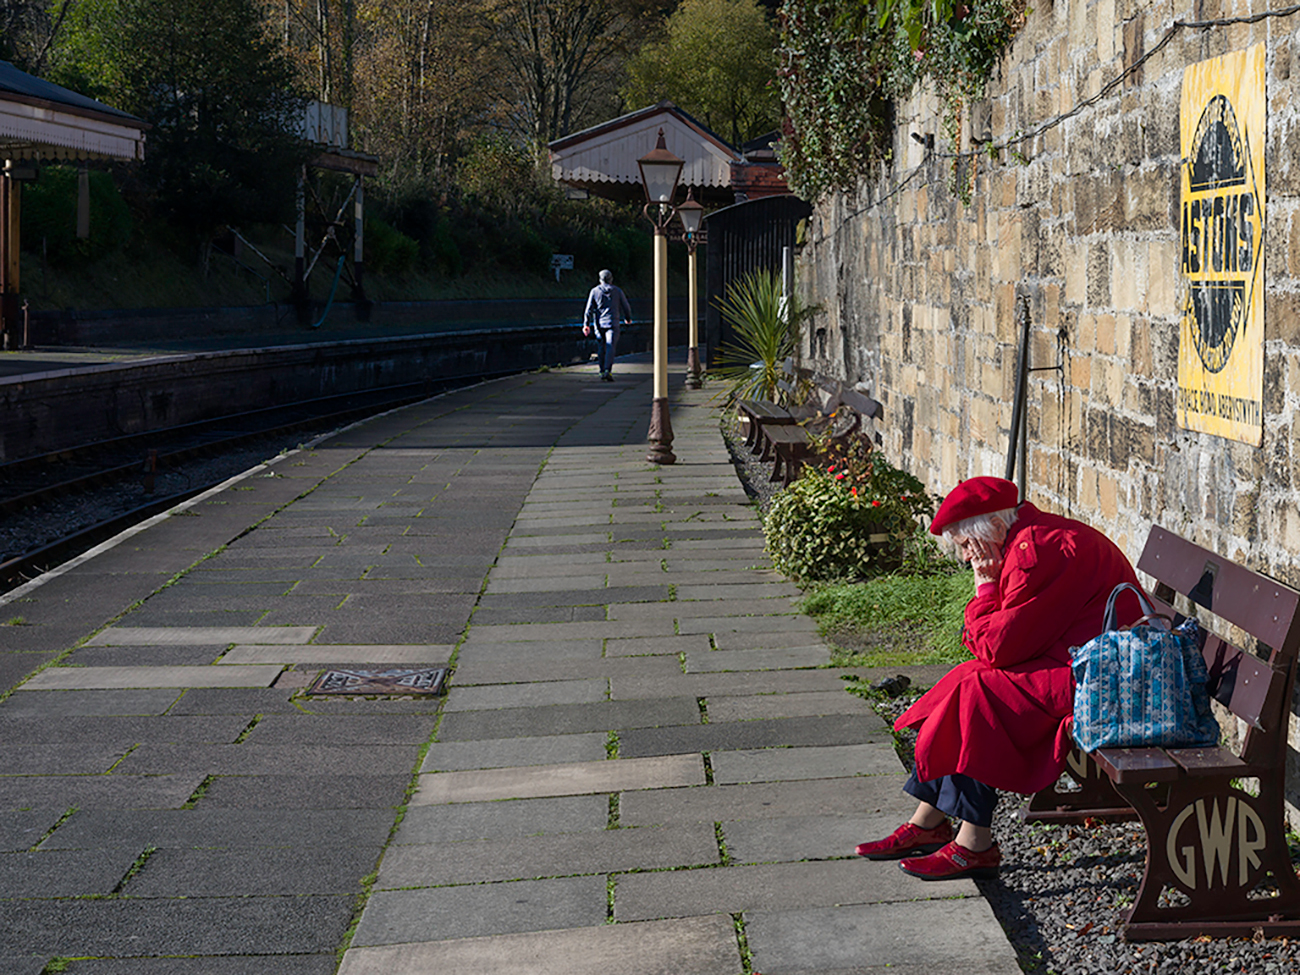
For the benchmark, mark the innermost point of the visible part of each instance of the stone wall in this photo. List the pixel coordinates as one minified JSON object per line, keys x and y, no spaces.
{"x":920,"y":293}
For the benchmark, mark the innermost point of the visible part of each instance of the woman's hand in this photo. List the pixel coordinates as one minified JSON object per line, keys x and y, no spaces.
{"x":986,"y":560}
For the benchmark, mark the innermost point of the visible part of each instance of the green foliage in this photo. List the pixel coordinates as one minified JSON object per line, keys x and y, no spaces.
{"x":717,"y":61}
{"x":215,"y":88}
{"x":897,"y":618}
{"x":389,"y":251}
{"x":822,"y":526}
{"x":845,"y":62}
{"x":764,"y":335}
{"x":49,"y":215}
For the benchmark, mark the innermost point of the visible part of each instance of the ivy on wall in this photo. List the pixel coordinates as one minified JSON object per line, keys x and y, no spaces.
{"x":844,"y":64}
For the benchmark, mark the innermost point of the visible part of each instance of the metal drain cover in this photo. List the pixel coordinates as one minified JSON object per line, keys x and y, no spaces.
{"x":426,"y":681}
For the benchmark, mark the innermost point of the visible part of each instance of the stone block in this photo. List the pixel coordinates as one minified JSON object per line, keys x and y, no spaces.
{"x":511,"y":818}
{"x":108,"y":678}
{"x":690,"y":946}
{"x":788,"y":764}
{"x":568,"y":779}
{"x":479,"y":910}
{"x":453,"y":756}
{"x":961,"y":936}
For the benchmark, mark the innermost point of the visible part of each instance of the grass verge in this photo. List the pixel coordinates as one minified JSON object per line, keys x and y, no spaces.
{"x":893,"y":620}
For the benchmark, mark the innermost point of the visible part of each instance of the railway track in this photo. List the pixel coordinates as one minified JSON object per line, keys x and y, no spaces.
{"x":55,"y":506}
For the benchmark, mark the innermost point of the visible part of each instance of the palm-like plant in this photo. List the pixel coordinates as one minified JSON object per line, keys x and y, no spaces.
{"x":766,"y":326}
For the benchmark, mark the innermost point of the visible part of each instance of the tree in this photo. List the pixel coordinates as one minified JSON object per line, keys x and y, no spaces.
{"x":718,"y":62}
{"x":218,"y":93}
{"x":27,"y":30}
{"x":427,"y":71}
{"x":560,"y":56}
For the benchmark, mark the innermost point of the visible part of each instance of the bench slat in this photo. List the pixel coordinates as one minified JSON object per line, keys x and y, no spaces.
{"x":1263,"y":608}
{"x":1240,"y":681}
{"x":1138,"y":764}
{"x":1208,"y":761}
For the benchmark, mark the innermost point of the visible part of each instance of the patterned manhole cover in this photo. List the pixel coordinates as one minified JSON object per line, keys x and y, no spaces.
{"x":426,"y":681}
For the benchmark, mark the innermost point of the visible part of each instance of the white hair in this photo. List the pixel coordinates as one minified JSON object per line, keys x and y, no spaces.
{"x":980,"y":526}
{"x":606,"y":277}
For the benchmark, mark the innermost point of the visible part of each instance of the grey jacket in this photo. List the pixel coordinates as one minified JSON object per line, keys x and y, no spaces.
{"x":607,"y":306}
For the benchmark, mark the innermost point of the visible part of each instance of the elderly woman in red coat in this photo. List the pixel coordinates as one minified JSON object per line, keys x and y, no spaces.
{"x":1002,"y":720}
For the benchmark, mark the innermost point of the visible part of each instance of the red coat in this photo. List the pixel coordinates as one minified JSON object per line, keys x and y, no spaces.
{"x":1004,"y":717}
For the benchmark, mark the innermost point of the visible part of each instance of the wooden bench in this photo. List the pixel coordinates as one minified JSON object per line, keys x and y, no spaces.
{"x":794,"y":445}
{"x":1217,"y":860}
{"x":761,"y":414}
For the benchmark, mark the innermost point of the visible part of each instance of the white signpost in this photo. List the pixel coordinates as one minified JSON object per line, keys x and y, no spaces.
{"x":561,"y":262}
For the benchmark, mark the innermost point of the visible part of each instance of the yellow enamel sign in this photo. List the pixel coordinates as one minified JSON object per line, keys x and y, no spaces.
{"x":1221,"y":341}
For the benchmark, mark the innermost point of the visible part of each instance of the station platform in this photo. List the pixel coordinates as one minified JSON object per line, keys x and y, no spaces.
{"x":640,"y":763}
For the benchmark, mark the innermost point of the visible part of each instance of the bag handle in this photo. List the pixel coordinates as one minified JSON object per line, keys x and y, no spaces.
{"x":1108,"y":620}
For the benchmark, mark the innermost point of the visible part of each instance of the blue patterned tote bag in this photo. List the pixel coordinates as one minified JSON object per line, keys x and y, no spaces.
{"x":1142,"y":686}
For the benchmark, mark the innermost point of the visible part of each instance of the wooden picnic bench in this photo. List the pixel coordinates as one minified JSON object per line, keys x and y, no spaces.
{"x":1217,"y":860}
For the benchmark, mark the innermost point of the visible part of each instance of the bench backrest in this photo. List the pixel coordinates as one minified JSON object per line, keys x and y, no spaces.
{"x":1256,"y":689}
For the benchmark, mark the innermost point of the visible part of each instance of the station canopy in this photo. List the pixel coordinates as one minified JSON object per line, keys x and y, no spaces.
{"x":43,"y":121}
{"x":602,"y":160}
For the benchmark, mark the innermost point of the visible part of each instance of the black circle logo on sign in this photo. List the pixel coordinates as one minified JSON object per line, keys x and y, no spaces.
{"x":1222,"y":229}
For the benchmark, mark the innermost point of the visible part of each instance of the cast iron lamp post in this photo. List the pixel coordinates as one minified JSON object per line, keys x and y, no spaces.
{"x":692,"y":214}
{"x":660,"y":170}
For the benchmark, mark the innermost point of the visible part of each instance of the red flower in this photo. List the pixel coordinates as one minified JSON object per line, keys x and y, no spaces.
{"x":839,"y":476}
{"x":875,"y":504}
{"x":853,"y":491}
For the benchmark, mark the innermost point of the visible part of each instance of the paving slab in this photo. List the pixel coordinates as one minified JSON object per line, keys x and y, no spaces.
{"x":815,"y":836}
{"x":21,"y":829}
{"x":771,"y":887}
{"x":211,"y":828}
{"x":729,"y":683}
{"x":706,"y":609}
{"x":453,"y":756}
{"x":719,"y":661}
{"x":332,"y":791}
{"x":199,"y":926}
{"x":728,"y":737}
{"x":531,"y":694}
{"x":573,"y":778}
{"x":553,"y":583}
{"x":129,"y":729}
{"x":536,"y":857}
{"x":793,"y":705}
{"x":212,"y":965}
{"x":435,"y":655}
{"x":104,"y":678}
{"x":604,"y":630}
{"x":798,"y":627}
{"x":503,"y":819}
{"x":502,"y":670}
{"x":787,"y":764}
{"x":99,"y":791}
{"x":295,"y":871}
{"x":738,"y":591}
{"x":763,"y":800}
{"x":132,"y":636}
{"x":342,"y":729}
{"x":67,"y":704}
{"x":24,"y":964}
{"x":467,"y":911}
{"x":59,"y":759}
{"x":234,"y":700}
{"x":637,"y":646}
{"x":251,"y":759}
{"x":691,"y":946}
{"x":568,"y":719}
{"x":65,"y":873}
{"x":143,"y":656}
{"x":960,"y":935}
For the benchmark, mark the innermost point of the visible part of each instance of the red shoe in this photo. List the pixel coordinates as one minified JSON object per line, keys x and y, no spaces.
{"x":907,"y":841}
{"x":954,"y":861}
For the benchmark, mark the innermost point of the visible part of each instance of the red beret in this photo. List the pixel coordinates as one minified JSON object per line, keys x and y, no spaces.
{"x":974,"y":496}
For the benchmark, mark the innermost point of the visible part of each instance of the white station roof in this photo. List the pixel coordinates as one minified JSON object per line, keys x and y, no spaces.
{"x":607,"y":153}
{"x":41,"y":120}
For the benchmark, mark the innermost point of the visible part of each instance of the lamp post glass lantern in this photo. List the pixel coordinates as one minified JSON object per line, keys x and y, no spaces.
{"x":692,"y":215}
{"x":660,"y":170}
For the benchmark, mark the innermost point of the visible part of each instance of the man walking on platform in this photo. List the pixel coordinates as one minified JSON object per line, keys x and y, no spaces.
{"x":607,"y":309}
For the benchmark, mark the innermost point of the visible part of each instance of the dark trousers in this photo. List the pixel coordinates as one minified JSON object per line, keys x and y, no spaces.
{"x":956,"y":795}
